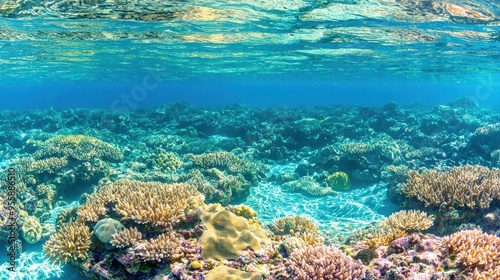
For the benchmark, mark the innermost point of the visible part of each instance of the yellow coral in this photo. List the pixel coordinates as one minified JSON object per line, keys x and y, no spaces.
{"x":70,"y":243}
{"x":408,"y":221}
{"x":145,"y":203}
{"x":166,"y":161}
{"x":292,"y":225}
{"x":228,"y":234}
{"x":164,"y":246}
{"x":338,"y":181}
{"x":126,"y":238}
{"x":223,"y":272}
{"x":79,"y":147}
{"x":32,"y":229}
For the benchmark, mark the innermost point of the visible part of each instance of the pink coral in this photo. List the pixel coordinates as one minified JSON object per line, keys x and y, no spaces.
{"x":323,"y":262}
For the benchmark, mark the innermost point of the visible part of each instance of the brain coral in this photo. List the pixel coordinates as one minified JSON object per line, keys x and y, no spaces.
{"x":228,"y":234}
{"x":32,"y":229}
{"x":223,"y":272}
{"x":105,"y":228}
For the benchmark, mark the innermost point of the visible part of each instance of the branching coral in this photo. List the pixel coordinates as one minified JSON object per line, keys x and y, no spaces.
{"x":300,"y":227}
{"x":323,"y":262}
{"x":79,"y":147}
{"x":144,"y":203}
{"x":126,"y":238}
{"x":292,"y":225}
{"x":220,"y":159}
{"x":477,"y":253}
{"x":166,"y":161}
{"x":408,"y":221}
{"x":397,"y":225}
{"x":70,"y":243}
{"x":468,"y":186}
{"x":164,"y":246}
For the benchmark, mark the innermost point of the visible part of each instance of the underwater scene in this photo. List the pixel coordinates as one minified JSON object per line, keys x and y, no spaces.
{"x":266,"y":139}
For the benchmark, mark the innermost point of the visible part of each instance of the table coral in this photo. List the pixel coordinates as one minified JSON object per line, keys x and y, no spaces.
{"x":144,"y":203}
{"x":79,"y":147}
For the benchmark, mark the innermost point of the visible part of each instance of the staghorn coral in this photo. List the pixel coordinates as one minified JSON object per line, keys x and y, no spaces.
{"x":144,"y":203}
{"x":79,"y":147}
{"x":164,"y":246}
{"x":408,"y":221}
{"x":126,"y":238}
{"x":227,"y":234}
{"x":32,"y":229}
{"x":468,"y":186}
{"x":477,"y":253}
{"x":70,"y":243}
{"x":323,"y":262}
{"x":355,"y":148}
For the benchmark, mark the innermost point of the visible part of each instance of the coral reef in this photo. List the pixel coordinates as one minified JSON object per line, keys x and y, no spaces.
{"x":477,"y":253}
{"x":126,"y":238}
{"x":308,"y":185}
{"x":322,"y":262}
{"x":228,"y":234}
{"x":78,"y":147}
{"x":408,"y":221}
{"x":338,"y":181}
{"x":32,"y":230}
{"x":70,"y":243}
{"x":106,"y":228}
{"x":223,"y":272}
{"x":470,"y":186}
{"x":144,"y":203}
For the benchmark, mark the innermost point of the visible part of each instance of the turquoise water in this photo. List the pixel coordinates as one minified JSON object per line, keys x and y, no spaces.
{"x":288,"y":92}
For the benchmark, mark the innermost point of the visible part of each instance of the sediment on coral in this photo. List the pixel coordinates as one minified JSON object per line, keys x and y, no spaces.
{"x":470,"y":186}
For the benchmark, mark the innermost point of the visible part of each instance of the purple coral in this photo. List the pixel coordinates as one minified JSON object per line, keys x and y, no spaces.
{"x":323,"y":262}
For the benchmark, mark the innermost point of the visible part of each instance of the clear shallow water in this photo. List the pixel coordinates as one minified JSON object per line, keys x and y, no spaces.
{"x":424,"y":41}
